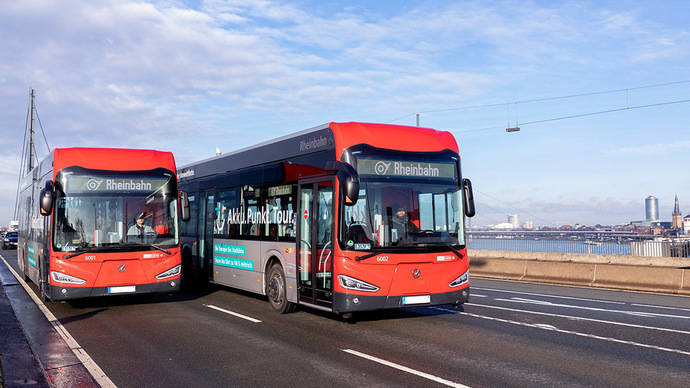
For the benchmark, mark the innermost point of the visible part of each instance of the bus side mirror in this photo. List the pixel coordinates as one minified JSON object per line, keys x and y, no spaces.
{"x":349,"y":180}
{"x":184,"y":206}
{"x":469,"y":198}
{"x":47,"y":197}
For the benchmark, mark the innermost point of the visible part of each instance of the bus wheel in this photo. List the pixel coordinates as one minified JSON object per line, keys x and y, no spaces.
{"x":277,"y":291}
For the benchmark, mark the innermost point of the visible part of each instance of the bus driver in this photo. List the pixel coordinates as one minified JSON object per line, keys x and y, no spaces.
{"x":401,"y":225}
{"x":139,"y":231}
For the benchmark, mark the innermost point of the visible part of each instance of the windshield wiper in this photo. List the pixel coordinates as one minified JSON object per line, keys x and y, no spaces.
{"x":368,"y":255}
{"x":118,"y":247}
{"x":452,"y":248}
{"x":160,"y":249}
{"x":76,"y":253}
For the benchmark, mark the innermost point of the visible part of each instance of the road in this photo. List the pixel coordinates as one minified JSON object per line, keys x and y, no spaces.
{"x":511,"y":334}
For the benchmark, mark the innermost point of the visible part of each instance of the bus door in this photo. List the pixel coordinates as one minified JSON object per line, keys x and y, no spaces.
{"x":207,"y":220}
{"x":315,"y":242}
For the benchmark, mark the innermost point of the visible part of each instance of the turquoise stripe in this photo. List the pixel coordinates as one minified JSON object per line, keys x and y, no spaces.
{"x":227,"y":249}
{"x":234,"y":263}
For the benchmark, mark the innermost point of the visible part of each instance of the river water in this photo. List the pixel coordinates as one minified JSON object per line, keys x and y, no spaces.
{"x":561,"y":246}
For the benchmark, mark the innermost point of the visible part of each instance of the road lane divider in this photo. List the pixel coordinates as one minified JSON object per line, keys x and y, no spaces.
{"x":659,"y":307}
{"x":238,"y":315}
{"x":405,"y":369}
{"x":96,"y":372}
{"x":573,"y":317}
{"x":562,"y":331}
{"x":548,"y":296}
{"x":627,"y":312}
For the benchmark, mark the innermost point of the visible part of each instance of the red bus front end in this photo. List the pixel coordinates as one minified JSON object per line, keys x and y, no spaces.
{"x":402,"y":243}
{"x":114,"y":224}
{"x":113,"y":273}
{"x":400,"y":280}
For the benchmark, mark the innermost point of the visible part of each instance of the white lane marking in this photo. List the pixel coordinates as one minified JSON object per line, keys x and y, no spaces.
{"x":580,"y":318}
{"x":546,"y":327}
{"x":250,"y":319}
{"x":479,"y":295}
{"x":96,"y":372}
{"x":627,"y":312}
{"x":405,"y":369}
{"x":549,"y":296}
{"x":659,"y":307}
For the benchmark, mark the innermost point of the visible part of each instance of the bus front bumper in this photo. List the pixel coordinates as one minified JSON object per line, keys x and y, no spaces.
{"x":343,"y":303}
{"x":65,"y":292}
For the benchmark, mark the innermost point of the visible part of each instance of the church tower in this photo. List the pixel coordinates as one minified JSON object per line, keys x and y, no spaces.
{"x":677,"y":219}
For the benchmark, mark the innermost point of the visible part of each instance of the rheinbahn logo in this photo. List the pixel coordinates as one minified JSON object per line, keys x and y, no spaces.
{"x":93,"y":184}
{"x":381,"y":168}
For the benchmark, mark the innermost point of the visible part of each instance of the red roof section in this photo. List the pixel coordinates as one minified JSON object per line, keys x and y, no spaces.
{"x":116,"y":159}
{"x":398,"y":137}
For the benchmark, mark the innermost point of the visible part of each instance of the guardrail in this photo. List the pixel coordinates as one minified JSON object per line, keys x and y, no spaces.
{"x":578,"y":246}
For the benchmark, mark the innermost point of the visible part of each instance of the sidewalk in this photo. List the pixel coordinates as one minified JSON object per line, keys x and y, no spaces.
{"x":32,"y":352}
{"x":18,"y":365}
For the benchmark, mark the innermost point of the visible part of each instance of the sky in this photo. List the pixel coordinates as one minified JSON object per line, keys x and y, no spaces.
{"x":193,"y":76}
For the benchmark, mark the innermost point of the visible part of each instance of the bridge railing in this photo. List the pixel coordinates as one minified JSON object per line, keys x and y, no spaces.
{"x":578,"y":244}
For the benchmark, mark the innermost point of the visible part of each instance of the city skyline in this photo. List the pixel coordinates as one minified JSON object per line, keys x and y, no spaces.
{"x":193,"y":76}
{"x":508,"y":219}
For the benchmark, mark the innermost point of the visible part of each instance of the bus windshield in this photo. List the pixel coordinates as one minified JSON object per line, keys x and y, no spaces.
{"x":403,"y":216}
{"x":129,"y":210}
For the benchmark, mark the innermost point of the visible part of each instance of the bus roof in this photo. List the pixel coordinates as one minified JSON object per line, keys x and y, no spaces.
{"x":116,"y":159}
{"x":395,"y":137}
{"x":334,"y":137}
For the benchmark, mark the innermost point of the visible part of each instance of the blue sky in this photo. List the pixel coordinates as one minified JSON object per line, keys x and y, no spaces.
{"x":192,"y":76}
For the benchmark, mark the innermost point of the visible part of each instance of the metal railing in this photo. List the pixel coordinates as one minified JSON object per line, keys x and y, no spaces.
{"x":577,"y":245}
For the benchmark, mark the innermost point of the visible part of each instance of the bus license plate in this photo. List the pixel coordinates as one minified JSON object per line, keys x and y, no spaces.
{"x":417,"y":299}
{"x":119,"y":290}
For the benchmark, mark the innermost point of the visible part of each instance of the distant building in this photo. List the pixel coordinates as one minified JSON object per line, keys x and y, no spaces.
{"x":651,"y":206}
{"x":686,"y":224}
{"x":514,"y":219}
{"x":504,"y":225}
{"x":528,"y":225}
{"x":676,"y":217}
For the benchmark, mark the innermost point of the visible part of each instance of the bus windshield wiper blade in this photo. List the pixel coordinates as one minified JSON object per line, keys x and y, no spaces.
{"x":160,"y":249}
{"x":452,"y":248}
{"x":368,"y":255}
{"x":76,"y":253}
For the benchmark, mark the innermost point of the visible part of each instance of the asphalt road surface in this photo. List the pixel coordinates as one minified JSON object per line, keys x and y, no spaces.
{"x":510,"y":334}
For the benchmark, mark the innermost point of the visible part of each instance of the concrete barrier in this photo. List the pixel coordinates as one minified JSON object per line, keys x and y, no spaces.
{"x":674,"y":262}
{"x":564,"y":273}
{"x":592,"y":271}
{"x":641,"y":278}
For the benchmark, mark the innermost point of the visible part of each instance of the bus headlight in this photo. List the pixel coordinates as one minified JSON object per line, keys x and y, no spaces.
{"x":462,"y":279}
{"x":174,"y":271}
{"x":64,"y":278}
{"x":355,"y":284}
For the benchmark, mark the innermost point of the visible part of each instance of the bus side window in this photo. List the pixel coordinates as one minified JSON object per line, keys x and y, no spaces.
{"x":280,"y":205}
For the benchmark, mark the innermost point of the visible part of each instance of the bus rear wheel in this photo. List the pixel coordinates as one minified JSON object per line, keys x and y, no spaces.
{"x":277,"y":290}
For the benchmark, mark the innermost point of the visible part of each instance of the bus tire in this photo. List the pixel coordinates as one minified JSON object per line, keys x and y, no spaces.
{"x":277,"y":291}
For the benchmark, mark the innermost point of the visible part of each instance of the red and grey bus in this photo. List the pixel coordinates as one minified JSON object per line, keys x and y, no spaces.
{"x":342,"y":217}
{"x":97,"y":221}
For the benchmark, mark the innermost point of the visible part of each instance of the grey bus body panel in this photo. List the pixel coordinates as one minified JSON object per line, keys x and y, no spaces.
{"x":242,"y":264}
